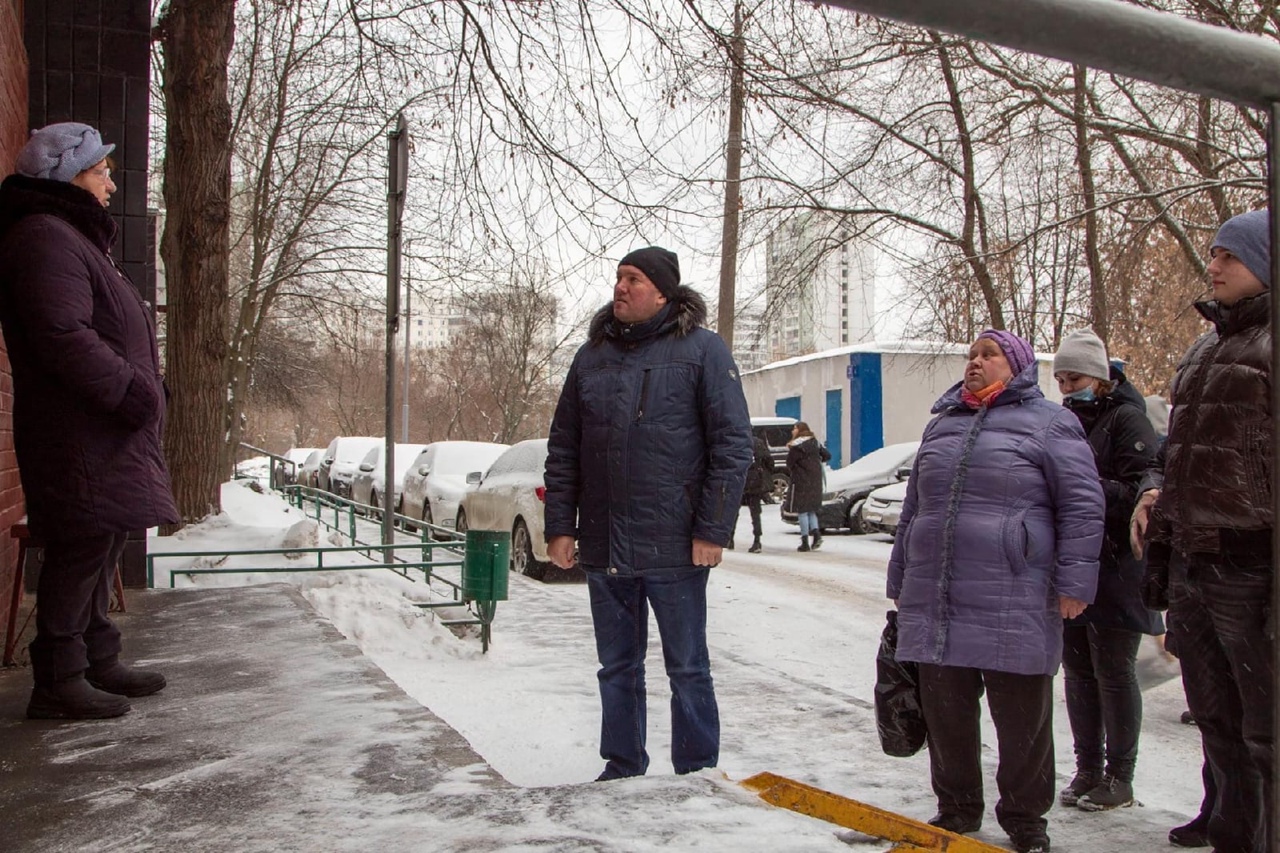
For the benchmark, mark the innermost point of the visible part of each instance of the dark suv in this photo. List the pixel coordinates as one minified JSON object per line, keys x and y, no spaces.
{"x":776,"y":432}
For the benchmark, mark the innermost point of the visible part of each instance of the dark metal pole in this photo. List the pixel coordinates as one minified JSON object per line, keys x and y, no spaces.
{"x":1111,"y":35}
{"x":1273,"y":192}
{"x":397,"y":182}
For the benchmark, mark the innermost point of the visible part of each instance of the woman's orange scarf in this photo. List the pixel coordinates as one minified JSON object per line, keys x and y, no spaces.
{"x":982,"y":397}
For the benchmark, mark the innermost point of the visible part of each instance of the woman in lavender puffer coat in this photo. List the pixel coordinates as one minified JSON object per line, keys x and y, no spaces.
{"x":997,"y":544}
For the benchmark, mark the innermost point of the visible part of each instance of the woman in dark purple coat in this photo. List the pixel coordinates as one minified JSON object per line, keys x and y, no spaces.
{"x":997,"y":544}
{"x":87,"y":410}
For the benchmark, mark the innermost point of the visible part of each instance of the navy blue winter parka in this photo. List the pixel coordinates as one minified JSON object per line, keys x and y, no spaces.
{"x":650,"y":443}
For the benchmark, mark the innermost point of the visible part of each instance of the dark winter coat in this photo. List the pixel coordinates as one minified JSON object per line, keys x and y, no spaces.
{"x":1215,"y":469}
{"x":1124,"y":445}
{"x":650,"y":442}
{"x":804,"y":466}
{"x":760,"y":472}
{"x":1003,"y":515}
{"x":87,"y":392}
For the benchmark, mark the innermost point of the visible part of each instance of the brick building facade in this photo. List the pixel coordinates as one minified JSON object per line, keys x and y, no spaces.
{"x":13,"y":133}
{"x":87,"y":61}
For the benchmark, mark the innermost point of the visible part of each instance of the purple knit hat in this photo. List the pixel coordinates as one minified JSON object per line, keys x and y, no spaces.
{"x":1015,"y":349}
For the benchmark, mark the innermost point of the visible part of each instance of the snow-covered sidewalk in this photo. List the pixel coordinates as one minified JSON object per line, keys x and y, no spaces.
{"x":793,"y":640}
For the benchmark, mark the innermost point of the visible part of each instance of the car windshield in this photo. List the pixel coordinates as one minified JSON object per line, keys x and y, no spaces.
{"x":877,"y":463}
{"x":405,"y":456}
{"x":462,"y":459}
{"x":354,"y":449}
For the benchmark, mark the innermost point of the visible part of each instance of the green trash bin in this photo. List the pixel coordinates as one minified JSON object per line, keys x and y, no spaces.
{"x":484,"y":568}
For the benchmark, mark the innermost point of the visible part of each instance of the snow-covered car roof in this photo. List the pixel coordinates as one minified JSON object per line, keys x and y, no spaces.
{"x":875,"y":464}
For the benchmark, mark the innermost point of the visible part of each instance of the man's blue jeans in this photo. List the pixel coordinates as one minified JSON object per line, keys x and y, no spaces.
{"x":620,"y":611}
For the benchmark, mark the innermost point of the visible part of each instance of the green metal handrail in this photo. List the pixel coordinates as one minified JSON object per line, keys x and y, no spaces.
{"x":483,"y":611}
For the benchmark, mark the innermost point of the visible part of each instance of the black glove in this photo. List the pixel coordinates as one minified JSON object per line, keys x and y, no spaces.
{"x":1155,"y":578}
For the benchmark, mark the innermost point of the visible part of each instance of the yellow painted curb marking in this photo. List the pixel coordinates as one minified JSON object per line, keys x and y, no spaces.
{"x":907,"y":834}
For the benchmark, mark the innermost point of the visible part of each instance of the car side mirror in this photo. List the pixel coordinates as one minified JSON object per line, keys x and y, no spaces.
{"x":903,"y":473}
{"x":366,"y":467}
{"x":473,"y":478}
{"x":327,"y":461}
{"x":423,"y":470}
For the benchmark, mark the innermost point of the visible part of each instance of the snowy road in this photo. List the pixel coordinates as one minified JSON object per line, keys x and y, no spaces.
{"x":793,"y":641}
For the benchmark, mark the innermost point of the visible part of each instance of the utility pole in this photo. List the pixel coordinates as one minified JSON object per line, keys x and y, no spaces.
{"x":732,"y":182}
{"x":397,"y":185}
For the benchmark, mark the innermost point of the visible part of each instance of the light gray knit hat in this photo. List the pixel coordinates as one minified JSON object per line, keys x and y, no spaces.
{"x":61,"y":151}
{"x":1082,"y":352}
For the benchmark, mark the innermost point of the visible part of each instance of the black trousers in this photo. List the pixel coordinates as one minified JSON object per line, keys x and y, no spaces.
{"x":72,"y":626}
{"x":1221,"y":609}
{"x":1022,"y":709}
{"x":1104,"y":701}
{"x":753,"y":505}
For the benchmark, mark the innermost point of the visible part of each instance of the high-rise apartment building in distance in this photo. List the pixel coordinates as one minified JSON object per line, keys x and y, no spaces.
{"x":435,"y":317}
{"x":819,"y":286}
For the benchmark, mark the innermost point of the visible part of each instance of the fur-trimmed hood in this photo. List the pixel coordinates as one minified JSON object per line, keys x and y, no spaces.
{"x":21,"y":196}
{"x":688,"y":311}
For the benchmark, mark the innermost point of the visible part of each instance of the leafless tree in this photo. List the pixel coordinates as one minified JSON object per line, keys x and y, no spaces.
{"x":195,"y":38}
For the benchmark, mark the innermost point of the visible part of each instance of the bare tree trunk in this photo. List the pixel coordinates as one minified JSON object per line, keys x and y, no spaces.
{"x":973,"y":239}
{"x":1098,"y":315}
{"x":732,"y":185}
{"x":196,"y":36}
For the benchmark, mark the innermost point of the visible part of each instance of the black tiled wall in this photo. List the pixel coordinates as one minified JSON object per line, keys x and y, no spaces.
{"x":90,"y":62}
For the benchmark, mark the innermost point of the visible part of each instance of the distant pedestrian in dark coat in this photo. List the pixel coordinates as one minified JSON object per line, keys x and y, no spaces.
{"x":646,"y":460}
{"x":759,"y":484}
{"x":1208,"y":501}
{"x":1100,"y":647}
{"x":804,"y":466}
{"x":998,"y":543}
{"x":87,"y":409}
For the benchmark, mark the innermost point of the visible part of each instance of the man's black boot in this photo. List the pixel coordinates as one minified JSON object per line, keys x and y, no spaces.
{"x":74,"y":699}
{"x":804,"y":543}
{"x":114,"y":677}
{"x":755,"y":546}
{"x":817,"y":541}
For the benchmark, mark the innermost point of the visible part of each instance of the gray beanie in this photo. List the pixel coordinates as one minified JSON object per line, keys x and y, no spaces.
{"x":1248,"y":237}
{"x":1082,"y":352}
{"x":61,"y":151}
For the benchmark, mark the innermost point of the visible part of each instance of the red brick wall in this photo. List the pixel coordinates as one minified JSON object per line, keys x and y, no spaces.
{"x":13,"y":133}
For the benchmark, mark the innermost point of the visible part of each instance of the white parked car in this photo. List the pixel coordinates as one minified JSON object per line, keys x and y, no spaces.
{"x":883,"y":507}
{"x":298,"y":456}
{"x":309,"y":470}
{"x":341,"y":459}
{"x":367,"y":487}
{"x":437,"y":478}
{"x":510,"y":496}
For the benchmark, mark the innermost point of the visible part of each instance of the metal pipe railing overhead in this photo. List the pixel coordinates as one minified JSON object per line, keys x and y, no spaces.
{"x":1110,"y":35}
{"x":1160,"y":48}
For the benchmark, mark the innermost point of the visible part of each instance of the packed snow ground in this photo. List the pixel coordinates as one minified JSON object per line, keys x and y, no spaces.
{"x":793,"y":641}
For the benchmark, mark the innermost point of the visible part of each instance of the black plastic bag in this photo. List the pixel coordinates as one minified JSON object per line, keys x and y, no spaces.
{"x":899,"y":717}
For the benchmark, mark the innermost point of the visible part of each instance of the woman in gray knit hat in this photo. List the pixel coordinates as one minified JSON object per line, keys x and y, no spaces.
{"x":1100,"y":647}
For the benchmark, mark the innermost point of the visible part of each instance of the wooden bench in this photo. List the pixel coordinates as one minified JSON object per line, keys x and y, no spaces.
{"x":12,"y":633}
